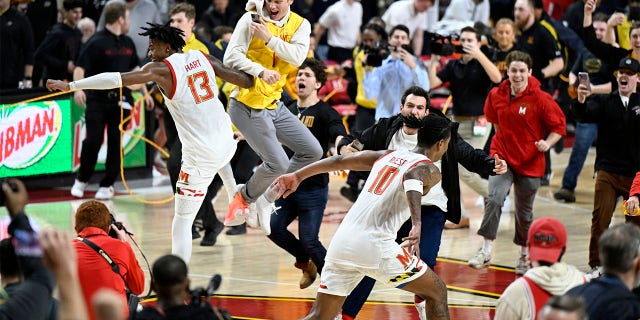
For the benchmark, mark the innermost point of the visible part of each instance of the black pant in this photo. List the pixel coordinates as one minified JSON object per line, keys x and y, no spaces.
{"x":97,"y":116}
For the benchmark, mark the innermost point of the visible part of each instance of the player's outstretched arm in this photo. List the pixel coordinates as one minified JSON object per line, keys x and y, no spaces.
{"x":361,"y":161}
{"x":112,"y":80}
{"x":239,"y":78}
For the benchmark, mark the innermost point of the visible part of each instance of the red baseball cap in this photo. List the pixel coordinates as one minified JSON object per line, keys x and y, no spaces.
{"x":547,"y":237}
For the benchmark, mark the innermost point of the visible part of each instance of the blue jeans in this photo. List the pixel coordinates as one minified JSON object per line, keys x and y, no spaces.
{"x":308,"y":206}
{"x":433,"y":219}
{"x":585,"y":134}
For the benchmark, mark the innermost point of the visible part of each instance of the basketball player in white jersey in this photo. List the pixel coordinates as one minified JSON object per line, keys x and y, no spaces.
{"x":188,"y":84}
{"x":364,"y":244}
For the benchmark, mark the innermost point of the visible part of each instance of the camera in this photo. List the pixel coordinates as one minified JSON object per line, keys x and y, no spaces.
{"x":445,"y":45}
{"x":377,"y":53}
{"x":13,"y":186}
{"x":200,"y":296}
{"x":120,"y":226}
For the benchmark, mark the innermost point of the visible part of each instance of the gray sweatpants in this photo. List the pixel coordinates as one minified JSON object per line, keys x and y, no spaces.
{"x":525,"y":189}
{"x":264,"y":130}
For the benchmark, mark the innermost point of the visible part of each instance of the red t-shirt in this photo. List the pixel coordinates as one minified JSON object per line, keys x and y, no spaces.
{"x":521,"y":121}
{"x":96,"y":273}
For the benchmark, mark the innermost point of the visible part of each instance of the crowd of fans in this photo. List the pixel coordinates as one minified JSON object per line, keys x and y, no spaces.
{"x":521,"y":75}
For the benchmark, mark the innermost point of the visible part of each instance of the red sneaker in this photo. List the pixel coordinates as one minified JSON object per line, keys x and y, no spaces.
{"x":238,"y":209}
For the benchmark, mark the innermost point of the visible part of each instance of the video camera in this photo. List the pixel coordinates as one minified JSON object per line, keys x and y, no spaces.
{"x":376,"y":54}
{"x":200,"y":296}
{"x":381,"y":51}
{"x":13,"y":186}
{"x":445,"y":45}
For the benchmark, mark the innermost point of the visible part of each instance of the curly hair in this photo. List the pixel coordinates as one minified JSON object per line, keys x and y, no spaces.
{"x":165,"y":33}
{"x":318,"y":68}
{"x":93,"y":213}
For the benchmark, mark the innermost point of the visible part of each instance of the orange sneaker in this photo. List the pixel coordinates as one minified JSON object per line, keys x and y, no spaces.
{"x":238,"y":210}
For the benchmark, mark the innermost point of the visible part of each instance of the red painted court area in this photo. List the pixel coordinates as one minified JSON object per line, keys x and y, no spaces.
{"x":489,"y":282}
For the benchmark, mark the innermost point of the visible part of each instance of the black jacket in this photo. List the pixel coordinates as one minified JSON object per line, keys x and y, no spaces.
{"x":618,"y":145}
{"x":61,"y":45}
{"x":32,"y":299}
{"x":608,"y":298}
{"x":379,"y":136}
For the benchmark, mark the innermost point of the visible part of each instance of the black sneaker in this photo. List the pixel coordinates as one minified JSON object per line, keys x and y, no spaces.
{"x":566,"y":195}
{"x":236,"y":230}
{"x":210,"y":237}
{"x":194,"y":233}
{"x":349,"y":193}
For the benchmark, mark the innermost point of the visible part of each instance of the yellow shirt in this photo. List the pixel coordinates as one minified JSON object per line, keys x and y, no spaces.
{"x":195,"y":44}
{"x":358,"y":67}
{"x":263,"y":95}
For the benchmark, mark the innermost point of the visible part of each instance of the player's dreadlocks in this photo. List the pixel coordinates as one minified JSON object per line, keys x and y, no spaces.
{"x":165,"y":33}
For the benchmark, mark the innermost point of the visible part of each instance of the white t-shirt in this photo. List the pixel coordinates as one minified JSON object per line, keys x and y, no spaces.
{"x":342,"y":21}
{"x":436,"y":196}
{"x":468,"y":11}
{"x":403,"y":12}
{"x":377,"y":215}
{"x":203,"y":125}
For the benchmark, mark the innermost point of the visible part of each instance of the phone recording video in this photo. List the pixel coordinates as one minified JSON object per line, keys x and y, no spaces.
{"x":255,"y":18}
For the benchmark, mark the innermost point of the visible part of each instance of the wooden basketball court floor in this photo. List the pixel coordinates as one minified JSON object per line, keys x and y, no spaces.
{"x":260,"y":282}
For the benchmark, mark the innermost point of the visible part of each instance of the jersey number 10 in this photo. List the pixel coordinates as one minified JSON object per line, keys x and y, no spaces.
{"x":383,"y":179}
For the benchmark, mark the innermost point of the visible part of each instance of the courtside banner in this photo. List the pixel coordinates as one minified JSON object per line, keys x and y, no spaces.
{"x":35,"y":138}
{"x":134,"y":148}
{"x":45,"y":137}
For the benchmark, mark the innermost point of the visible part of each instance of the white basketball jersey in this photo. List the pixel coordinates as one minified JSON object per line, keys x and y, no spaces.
{"x":378,"y":213}
{"x":203,"y":125}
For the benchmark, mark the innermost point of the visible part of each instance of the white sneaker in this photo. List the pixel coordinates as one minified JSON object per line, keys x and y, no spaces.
{"x":594,"y":273}
{"x":523,"y":265}
{"x":251,"y":218}
{"x":105,"y":193}
{"x":480,"y":260}
{"x":264,"y":208}
{"x":78,"y":189}
{"x":422,"y":309}
{"x":480,"y":202}
{"x":506,"y":206}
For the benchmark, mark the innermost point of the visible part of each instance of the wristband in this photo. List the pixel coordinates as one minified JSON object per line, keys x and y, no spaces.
{"x":413,"y":185}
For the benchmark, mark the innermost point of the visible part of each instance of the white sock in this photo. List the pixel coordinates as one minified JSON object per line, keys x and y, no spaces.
{"x":185,"y":213}
{"x":226,"y":174}
{"x":487,"y":245}
{"x":181,"y":237}
{"x":524,"y":251}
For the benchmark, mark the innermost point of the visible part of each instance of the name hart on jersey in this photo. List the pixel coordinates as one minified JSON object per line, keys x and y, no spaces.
{"x":192,"y":65}
{"x":397,"y":161}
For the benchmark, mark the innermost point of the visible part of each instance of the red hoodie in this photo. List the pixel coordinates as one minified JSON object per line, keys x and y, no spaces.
{"x":635,"y":187}
{"x":522,"y":120}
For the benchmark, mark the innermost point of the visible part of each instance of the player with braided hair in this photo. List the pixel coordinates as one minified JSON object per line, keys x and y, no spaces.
{"x":187,"y":82}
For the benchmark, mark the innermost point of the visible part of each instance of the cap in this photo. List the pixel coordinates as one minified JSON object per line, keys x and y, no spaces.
{"x":629,"y":64}
{"x":547,"y":237}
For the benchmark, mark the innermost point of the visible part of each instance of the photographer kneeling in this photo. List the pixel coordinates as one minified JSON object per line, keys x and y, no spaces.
{"x":96,"y":246}
{"x":171,"y":283}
